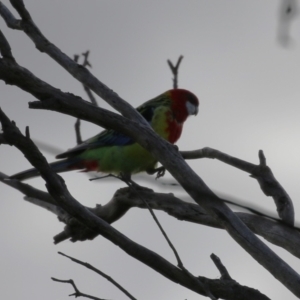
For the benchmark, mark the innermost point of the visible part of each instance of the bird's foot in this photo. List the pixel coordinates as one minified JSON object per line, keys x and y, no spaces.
{"x":160,"y":172}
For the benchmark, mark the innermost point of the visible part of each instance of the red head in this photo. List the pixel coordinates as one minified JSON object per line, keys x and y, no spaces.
{"x":184,"y":104}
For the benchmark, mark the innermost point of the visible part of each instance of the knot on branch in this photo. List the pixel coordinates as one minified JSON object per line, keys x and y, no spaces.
{"x":75,"y":231}
{"x":110,"y":212}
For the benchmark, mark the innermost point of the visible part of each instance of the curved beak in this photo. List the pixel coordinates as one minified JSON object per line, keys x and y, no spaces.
{"x":192,"y":109}
{"x":196,"y":110}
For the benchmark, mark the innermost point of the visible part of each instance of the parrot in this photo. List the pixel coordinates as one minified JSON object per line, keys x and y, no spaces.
{"x":112,"y":152}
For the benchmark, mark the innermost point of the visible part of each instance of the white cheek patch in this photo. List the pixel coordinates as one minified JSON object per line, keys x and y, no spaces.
{"x":191,"y":108}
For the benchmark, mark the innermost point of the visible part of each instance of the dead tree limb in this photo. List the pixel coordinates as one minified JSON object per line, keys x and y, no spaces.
{"x":261,"y":172}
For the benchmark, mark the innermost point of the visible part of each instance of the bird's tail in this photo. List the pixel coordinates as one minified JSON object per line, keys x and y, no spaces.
{"x":58,"y":167}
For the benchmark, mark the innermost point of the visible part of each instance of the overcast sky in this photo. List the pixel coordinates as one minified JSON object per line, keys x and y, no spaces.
{"x":249,"y":92}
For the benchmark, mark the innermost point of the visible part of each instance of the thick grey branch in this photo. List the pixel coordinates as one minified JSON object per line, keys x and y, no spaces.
{"x":9,"y":18}
{"x":275,"y":232}
{"x":77,"y":71}
{"x":123,"y":200}
{"x":241,"y":292}
{"x":262,"y":173}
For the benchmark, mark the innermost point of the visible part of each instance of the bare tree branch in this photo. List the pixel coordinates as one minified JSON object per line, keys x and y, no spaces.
{"x":275,"y":232}
{"x":77,"y":292}
{"x":262,"y":173}
{"x":2,"y":139}
{"x":9,"y":18}
{"x":77,"y":71}
{"x":77,"y":132}
{"x":226,"y":279}
{"x":223,"y":271}
{"x":85,"y":63}
{"x":90,"y":267}
{"x":174,"y":70}
{"x":135,"y":190}
{"x":5,"y":49}
{"x":123,"y":200}
{"x":135,"y":187}
{"x":59,"y":192}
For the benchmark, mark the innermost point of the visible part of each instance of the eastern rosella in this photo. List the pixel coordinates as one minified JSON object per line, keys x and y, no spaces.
{"x":114,"y":152}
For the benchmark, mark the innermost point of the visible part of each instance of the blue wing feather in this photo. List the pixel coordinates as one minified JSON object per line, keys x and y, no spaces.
{"x":111,"y":137}
{"x":103,"y":139}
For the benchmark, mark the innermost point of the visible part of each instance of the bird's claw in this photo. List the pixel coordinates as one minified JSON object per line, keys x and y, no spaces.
{"x":160,"y":172}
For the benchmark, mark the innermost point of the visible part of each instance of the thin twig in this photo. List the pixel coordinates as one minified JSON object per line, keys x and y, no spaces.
{"x":131,"y":184}
{"x":77,"y":132}
{"x":134,"y":186}
{"x":90,"y":267}
{"x":222,"y":269}
{"x":77,"y":292}
{"x":85,"y":63}
{"x":174,"y":70}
